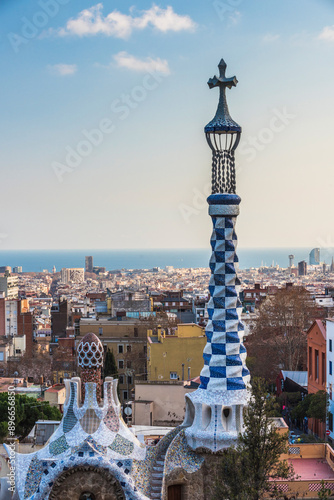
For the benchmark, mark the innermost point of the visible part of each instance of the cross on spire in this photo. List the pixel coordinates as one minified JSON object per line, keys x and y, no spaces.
{"x":222,"y":82}
{"x":222,"y":122}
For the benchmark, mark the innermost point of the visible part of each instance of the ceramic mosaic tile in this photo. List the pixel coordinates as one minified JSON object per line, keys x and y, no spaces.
{"x":58,"y":446}
{"x":35,"y":473}
{"x":122,"y":446}
{"x":69,"y":419}
{"x":90,"y":421}
{"x":181,"y":456}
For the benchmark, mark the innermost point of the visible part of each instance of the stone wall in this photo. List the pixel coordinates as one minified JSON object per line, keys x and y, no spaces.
{"x":199,"y":485}
{"x":75,"y":482}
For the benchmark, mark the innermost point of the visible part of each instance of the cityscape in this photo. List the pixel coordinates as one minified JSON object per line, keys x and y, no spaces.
{"x":145,"y":355}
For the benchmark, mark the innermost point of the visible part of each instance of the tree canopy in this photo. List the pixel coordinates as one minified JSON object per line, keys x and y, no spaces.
{"x":278,"y":340}
{"x":312,"y":406}
{"x":27,"y":411}
{"x":110,"y":367}
{"x":246,"y":469}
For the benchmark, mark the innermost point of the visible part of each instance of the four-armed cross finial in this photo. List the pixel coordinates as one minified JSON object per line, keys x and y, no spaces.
{"x":222,"y":81}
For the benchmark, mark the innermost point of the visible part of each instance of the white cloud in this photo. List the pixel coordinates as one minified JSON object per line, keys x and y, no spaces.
{"x":327,"y":34}
{"x":235,"y":17}
{"x":270,"y":37}
{"x":62,"y":69}
{"x":92,"y":22}
{"x":125,"y":60}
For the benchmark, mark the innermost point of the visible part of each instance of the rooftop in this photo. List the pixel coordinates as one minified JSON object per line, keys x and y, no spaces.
{"x":312,"y":468}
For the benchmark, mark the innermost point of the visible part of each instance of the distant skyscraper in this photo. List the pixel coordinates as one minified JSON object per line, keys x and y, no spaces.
{"x":54,"y":270}
{"x":3,"y":269}
{"x":332,"y":266}
{"x":17,"y":269}
{"x":302,"y":268}
{"x":89,"y":264}
{"x":315,"y":257}
{"x":291,"y":257}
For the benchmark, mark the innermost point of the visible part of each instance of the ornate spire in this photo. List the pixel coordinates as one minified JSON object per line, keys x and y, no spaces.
{"x":90,"y":360}
{"x":214,"y":412}
{"x":223,"y":135}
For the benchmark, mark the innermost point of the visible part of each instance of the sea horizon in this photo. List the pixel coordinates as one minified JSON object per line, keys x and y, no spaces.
{"x":112,"y":259}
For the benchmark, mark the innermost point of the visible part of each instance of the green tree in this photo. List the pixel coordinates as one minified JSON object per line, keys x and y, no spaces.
{"x":245,"y":471}
{"x":110,"y":367}
{"x":3,"y":431}
{"x":318,"y":406}
{"x":324,"y":492}
{"x":312,"y":406}
{"x":27,"y":411}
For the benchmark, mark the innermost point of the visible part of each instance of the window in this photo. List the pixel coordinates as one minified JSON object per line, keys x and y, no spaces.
{"x":128,"y":348}
{"x":173,"y":303}
{"x":128,"y":364}
{"x":330,"y":345}
{"x":173,"y":375}
{"x":120,"y":364}
{"x":330,"y":391}
{"x":330,"y":368}
{"x":100,"y":330}
{"x":330,"y":421}
{"x":1,"y":355}
{"x":135,"y":332}
{"x":166,"y":303}
{"x":121,"y":379}
{"x":316,"y":364}
{"x":323,"y":368}
{"x":310,"y":364}
{"x":125,"y":395}
{"x":120,"y":349}
{"x":129,"y":379}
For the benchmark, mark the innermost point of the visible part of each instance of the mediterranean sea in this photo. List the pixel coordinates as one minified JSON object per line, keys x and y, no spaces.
{"x":38,"y":260}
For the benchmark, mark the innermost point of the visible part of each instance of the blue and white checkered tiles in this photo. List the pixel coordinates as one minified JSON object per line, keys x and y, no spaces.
{"x":224,"y":354}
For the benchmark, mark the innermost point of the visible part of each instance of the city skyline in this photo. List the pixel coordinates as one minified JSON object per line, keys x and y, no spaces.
{"x":130,"y":81}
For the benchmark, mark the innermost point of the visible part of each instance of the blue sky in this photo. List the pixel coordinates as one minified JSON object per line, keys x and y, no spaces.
{"x":130,"y":79}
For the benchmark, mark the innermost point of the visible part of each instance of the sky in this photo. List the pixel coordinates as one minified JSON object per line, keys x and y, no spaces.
{"x":102,"y":110}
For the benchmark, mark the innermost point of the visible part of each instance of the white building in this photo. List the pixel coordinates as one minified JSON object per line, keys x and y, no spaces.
{"x":11,"y":318}
{"x":74,"y":275}
{"x":324,"y":300}
{"x":9,"y":286}
{"x":330,"y":375}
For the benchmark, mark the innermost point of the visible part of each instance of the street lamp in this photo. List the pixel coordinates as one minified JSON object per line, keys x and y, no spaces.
{"x":15,"y":379}
{"x":127,"y":409}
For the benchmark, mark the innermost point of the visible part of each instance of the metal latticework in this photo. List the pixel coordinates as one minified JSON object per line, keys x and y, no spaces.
{"x":223,"y":172}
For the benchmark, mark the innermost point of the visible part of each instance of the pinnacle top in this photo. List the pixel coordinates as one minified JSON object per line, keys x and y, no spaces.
{"x":222,"y":80}
{"x":222,"y":121}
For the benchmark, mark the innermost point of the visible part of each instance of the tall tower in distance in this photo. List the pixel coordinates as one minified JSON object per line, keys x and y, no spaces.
{"x":214,"y":412}
{"x":89,"y":264}
{"x":302,"y":268}
{"x":291,"y":258}
{"x":314,"y":257}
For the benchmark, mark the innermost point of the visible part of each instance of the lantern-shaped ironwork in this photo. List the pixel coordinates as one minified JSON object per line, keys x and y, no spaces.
{"x":223,"y":136}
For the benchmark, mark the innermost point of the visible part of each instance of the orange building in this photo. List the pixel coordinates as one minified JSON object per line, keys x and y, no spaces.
{"x":316,"y":363}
